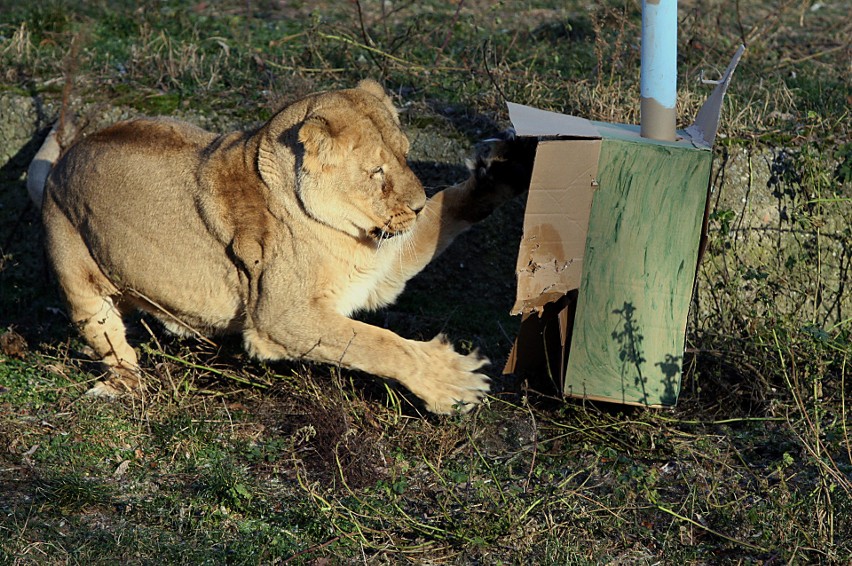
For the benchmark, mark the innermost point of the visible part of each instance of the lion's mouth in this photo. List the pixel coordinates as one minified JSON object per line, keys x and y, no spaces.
{"x":397,"y":225}
{"x":379,"y":234}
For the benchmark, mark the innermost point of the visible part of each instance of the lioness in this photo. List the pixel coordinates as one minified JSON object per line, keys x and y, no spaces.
{"x":278,"y":234}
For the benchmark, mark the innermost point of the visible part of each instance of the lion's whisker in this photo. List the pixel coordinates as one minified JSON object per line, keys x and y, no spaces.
{"x":409,"y":245}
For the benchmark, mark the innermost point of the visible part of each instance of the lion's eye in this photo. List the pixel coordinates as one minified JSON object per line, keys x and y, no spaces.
{"x":377,"y":171}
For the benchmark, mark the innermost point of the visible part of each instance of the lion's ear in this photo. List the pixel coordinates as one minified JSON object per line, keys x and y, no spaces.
{"x":372,"y":87}
{"x":377,"y":90}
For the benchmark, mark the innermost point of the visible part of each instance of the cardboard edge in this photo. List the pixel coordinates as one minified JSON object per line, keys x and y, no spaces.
{"x":533,"y":122}
{"x":703,"y":130}
{"x":603,"y":399}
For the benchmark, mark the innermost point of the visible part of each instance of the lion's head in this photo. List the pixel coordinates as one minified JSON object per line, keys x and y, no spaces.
{"x":352,"y":171}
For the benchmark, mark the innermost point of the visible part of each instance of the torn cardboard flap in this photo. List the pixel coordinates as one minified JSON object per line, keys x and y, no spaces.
{"x":703,"y":130}
{"x":550,"y":259}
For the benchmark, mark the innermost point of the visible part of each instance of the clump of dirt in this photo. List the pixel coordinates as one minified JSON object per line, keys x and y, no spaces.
{"x":13,"y":344}
{"x":327,"y":434}
{"x":338,"y":448}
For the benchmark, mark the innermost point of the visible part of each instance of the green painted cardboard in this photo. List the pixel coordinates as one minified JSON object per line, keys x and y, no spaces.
{"x":639,"y":269}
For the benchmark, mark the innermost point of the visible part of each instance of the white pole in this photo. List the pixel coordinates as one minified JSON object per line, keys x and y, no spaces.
{"x":658,"y":77}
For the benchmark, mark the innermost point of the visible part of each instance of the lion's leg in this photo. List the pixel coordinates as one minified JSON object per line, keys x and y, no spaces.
{"x":432,"y":370}
{"x":500,"y":170}
{"x":440,"y":221}
{"x":100,"y":324}
{"x":91,"y":305}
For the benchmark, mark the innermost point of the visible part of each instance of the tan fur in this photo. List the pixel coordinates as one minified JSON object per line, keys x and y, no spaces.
{"x":276,"y":234}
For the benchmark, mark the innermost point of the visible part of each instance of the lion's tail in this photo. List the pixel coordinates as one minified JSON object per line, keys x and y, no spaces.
{"x":41,"y":165}
{"x":45,"y":158}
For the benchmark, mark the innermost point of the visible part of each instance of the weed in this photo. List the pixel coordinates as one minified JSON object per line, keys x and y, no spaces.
{"x":72,"y":492}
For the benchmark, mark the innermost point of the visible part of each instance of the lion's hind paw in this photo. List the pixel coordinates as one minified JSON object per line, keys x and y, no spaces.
{"x":119,"y":382}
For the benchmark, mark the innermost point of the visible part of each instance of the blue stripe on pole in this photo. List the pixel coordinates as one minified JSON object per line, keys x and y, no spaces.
{"x":659,"y":51}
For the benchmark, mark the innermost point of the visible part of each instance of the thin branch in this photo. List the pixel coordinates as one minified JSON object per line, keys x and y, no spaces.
{"x":709,"y":530}
{"x":449,"y":33}
{"x":491,"y":79}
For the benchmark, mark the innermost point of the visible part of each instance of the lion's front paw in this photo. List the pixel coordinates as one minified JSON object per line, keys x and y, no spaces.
{"x":504,"y":163}
{"x":449,"y":381}
{"x":500,"y":170}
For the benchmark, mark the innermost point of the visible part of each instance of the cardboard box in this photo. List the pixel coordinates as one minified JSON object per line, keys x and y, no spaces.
{"x":612,"y":239}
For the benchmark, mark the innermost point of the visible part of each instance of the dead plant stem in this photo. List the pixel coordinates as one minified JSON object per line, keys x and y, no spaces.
{"x":488,"y":467}
{"x":820,"y":453}
{"x":708,"y":529}
{"x":785,"y":62}
{"x":449,"y":33}
{"x":843,"y":420}
{"x":201,"y":367}
{"x":386,"y":55}
{"x":534,"y":440}
{"x":314,"y":548}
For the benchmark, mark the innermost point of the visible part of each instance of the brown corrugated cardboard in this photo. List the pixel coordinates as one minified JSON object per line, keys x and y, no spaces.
{"x":550,"y":260}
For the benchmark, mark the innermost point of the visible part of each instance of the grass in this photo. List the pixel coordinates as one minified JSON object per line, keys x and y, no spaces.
{"x":227,"y":460}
